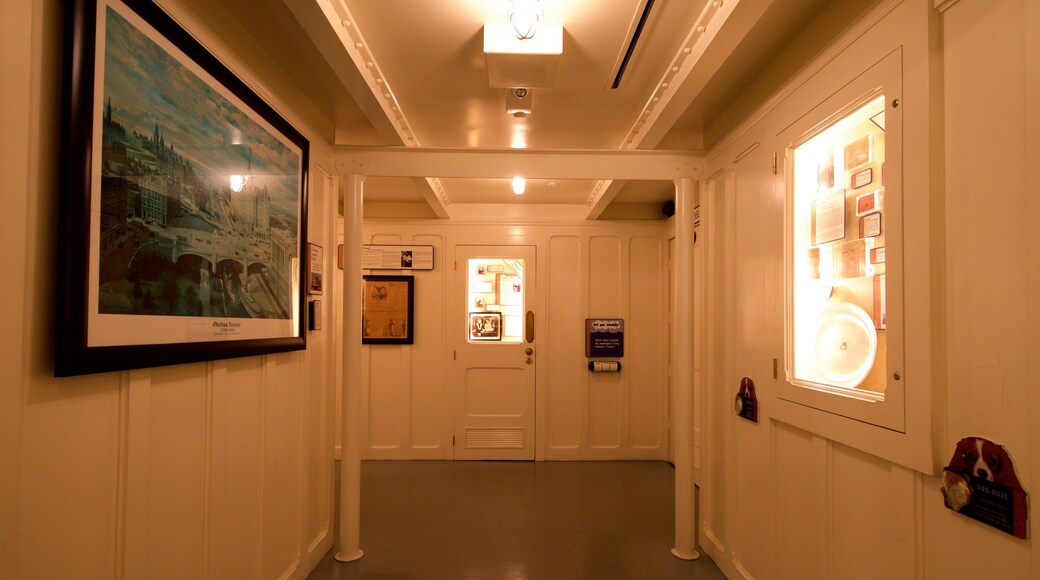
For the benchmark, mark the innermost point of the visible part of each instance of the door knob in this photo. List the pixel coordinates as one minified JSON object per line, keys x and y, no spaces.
{"x":529,"y":360}
{"x":529,"y":351}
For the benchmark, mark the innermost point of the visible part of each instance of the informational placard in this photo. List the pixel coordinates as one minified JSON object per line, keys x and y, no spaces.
{"x":980,"y":482}
{"x":395,"y":257}
{"x":604,"y":337}
{"x":828,"y":219}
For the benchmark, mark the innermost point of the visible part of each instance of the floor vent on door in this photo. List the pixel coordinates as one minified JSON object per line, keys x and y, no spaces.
{"x":494,"y":438}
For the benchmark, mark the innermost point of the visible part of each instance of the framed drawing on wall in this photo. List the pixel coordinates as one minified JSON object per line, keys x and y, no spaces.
{"x":485,"y":326}
{"x":387,"y":310}
{"x":183,"y":199}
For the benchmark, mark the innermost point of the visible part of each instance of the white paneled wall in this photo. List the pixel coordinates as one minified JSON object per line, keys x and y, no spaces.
{"x":221,"y":469}
{"x":781,"y":502}
{"x":585,"y":270}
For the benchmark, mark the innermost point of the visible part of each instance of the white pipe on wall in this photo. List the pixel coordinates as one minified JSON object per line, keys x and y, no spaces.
{"x":685,"y":507}
{"x":349,"y":541}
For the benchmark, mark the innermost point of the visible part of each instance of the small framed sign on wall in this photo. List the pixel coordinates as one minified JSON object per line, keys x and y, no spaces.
{"x":394,"y":257}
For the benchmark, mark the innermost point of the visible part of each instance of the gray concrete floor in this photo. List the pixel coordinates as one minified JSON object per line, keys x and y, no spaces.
{"x":517,"y":520}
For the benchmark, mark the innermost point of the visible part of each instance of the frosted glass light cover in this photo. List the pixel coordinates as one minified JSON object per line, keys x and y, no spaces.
{"x":845,"y":344}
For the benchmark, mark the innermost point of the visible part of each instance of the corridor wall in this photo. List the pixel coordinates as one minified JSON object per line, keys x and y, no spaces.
{"x":219,"y":469}
{"x":614,"y":270}
{"x":780,"y":500}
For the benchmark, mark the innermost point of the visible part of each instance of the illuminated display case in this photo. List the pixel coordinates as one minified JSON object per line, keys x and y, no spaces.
{"x":843,"y":246}
{"x":495,"y":295}
{"x":838,"y":306}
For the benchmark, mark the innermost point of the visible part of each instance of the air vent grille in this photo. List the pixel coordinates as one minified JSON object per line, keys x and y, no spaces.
{"x":630,"y":47}
{"x":494,"y":438}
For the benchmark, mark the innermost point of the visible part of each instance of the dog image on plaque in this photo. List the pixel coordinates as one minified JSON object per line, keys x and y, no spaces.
{"x":980,"y":482}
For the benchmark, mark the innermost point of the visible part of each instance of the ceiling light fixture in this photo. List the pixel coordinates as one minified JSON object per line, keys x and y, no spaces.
{"x":519,"y":185}
{"x":525,"y":14}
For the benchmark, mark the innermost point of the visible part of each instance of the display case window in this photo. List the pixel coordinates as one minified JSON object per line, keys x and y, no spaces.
{"x":495,"y":296}
{"x":837,"y":321}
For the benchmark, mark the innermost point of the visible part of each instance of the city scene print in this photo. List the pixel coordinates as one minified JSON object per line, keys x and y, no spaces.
{"x":199,"y":202}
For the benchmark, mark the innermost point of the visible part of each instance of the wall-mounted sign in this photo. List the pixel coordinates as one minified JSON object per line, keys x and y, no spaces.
{"x":980,"y":483}
{"x":604,"y":337}
{"x":394,"y":257}
{"x":314,"y":315}
{"x":746,"y":404}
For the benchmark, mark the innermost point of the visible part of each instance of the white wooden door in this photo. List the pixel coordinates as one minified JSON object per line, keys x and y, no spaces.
{"x":494,"y":355}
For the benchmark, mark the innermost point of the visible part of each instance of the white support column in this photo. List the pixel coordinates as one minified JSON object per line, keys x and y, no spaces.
{"x":685,"y":508}
{"x":349,"y":541}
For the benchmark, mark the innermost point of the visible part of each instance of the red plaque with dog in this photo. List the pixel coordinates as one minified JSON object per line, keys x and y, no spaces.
{"x":980,"y":482}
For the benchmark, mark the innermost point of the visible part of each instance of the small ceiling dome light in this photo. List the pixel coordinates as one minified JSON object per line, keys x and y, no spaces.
{"x":525,"y":14}
{"x":519,"y":185}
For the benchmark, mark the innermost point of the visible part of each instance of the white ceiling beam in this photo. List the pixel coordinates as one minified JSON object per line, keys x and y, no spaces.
{"x":604,"y":199}
{"x":320,"y":19}
{"x":705,"y":52}
{"x":506,"y":163}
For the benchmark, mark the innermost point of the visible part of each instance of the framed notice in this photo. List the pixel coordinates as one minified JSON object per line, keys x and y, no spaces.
{"x":870,"y":225}
{"x":604,"y":337}
{"x":183,"y":196}
{"x":315,"y":267}
{"x":395,"y":257}
{"x":387,"y":310}
{"x":828,"y":219}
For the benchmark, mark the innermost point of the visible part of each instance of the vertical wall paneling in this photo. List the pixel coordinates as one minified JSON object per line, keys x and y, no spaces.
{"x":282,"y":465}
{"x":426,"y":422}
{"x":404,"y":385}
{"x":834,"y":511}
{"x":645,"y":348}
{"x":605,"y":389}
{"x":588,"y":270}
{"x":175,"y":469}
{"x":236,"y":470}
{"x":564,"y":343}
{"x":799,"y":490}
{"x":183,"y":471}
{"x":671,"y":341}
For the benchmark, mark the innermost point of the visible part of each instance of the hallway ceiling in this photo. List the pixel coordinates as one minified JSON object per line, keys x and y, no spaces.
{"x":411,"y":73}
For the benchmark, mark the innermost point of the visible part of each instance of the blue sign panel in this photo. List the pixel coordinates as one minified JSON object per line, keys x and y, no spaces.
{"x":604,"y":337}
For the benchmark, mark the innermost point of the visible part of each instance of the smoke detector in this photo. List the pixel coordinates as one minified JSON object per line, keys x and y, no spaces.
{"x":519,"y":102}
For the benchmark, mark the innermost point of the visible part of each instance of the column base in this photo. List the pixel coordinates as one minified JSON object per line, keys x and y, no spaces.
{"x":685,"y":555}
{"x":340,"y":557}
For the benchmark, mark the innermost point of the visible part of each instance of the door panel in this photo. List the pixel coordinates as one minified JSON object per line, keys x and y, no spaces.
{"x":494,"y":366}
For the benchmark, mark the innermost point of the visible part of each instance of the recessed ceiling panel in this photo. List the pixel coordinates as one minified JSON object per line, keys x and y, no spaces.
{"x":538,"y":191}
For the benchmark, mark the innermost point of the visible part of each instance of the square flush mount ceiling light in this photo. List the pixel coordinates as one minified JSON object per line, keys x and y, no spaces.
{"x":532,"y":63}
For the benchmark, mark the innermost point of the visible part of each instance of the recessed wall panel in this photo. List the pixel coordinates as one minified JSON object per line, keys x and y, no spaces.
{"x":427,"y":380}
{"x":282,"y":468}
{"x":494,"y":392}
{"x":565,"y":343}
{"x":645,"y":342}
{"x":604,"y":410}
{"x":387,"y":380}
{"x":236,"y":482}
{"x":176,"y":470}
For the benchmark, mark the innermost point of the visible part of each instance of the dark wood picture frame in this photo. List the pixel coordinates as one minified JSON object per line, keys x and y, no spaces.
{"x":388,"y":310}
{"x":139,"y":187}
{"x":485,"y":326}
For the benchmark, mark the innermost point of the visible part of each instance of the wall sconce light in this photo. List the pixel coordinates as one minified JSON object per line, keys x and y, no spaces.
{"x":519,"y":185}
{"x":525,"y":14}
{"x":238,"y":182}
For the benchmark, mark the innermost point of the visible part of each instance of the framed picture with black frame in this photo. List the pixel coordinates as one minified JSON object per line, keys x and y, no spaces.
{"x":388,"y":311}
{"x":183,"y":198}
